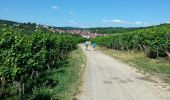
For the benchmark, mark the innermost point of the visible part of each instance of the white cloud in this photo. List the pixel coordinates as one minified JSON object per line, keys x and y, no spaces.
{"x":168,"y":22}
{"x":72,"y":22}
{"x":138,"y":22}
{"x":124,"y":22}
{"x":55,"y":7}
{"x":141,"y":23}
{"x":5,"y":9}
{"x":71,"y":13}
{"x":115,"y":21}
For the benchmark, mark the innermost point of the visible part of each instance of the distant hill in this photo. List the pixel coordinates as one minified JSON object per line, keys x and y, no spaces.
{"x":69,"y":28}
{"x":100,"y":30}
{"x":112,"y":30}
{"x":7,"y":22}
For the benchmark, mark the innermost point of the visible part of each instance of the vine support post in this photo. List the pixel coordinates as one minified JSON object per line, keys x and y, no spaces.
{"x":157,"y":52}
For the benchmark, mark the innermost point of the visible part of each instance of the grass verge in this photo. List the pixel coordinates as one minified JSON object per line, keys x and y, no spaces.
{"x":68,"y":78}
{"x":159,"y":67}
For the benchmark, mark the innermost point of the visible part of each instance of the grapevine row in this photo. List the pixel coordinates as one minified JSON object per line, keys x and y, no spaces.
{"x":155,"y":41}
{"x":24,"y":57}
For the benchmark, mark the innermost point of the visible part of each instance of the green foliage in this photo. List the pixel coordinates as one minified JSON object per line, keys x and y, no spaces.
{"x":154,"y":40}
{"x":25,"y":57}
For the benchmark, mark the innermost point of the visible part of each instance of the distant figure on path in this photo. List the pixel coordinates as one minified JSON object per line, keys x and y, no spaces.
{"x":94,"y":45}
{"x":86,"y":44}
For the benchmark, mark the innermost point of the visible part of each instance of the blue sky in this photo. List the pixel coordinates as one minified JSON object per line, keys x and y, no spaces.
{"x":87,"y":13}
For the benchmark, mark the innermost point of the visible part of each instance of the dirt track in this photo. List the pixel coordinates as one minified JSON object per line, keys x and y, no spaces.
{"x":106,"y":78}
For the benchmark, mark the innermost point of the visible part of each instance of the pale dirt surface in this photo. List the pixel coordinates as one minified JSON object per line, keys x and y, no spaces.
{"x":106,"y":78}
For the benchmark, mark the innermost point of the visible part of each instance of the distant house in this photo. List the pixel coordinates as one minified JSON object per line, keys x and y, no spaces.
{"x":86,"y":36}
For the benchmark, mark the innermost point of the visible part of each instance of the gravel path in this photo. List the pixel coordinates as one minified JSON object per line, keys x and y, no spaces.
{"x":106,"y":78}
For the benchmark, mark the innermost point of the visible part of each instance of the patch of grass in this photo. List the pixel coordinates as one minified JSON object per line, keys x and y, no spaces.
{"x":68,"y":78}
{"x":159,"y":66}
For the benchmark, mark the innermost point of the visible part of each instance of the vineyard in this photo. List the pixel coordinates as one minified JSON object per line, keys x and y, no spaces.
{"x":25,"y":57}
{"x":30,"y":55}
{"x":155,"y":41}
